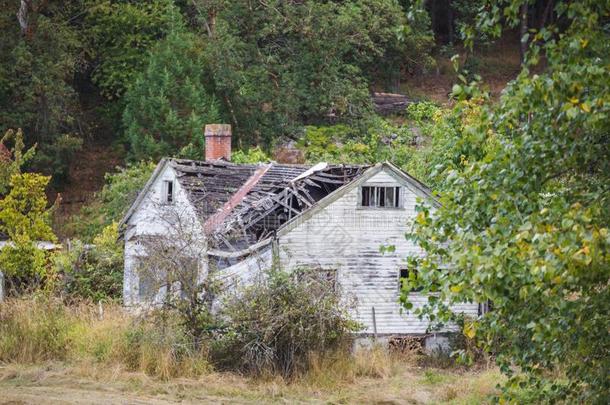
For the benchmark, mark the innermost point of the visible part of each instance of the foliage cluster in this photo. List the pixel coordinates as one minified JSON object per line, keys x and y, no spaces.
{"x":93,"y":272}
{"x":170,"y":102}
{"x":12,"y":159}
{"x":73,"y":69}
{"x":82,"y":271}
{"x":426,"y":145}
{"x":25,"y":220}
{"x":120,"y":34}
{"x":277,"y":322}
{"x":38,"y":61}
{"x":252,"y":155}
{"x":524,"y":216}
{"x":277,"y":65}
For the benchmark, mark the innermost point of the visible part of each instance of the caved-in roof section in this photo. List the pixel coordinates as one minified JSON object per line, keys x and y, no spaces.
{"x":209,"y":185}
{"x":240,"y":204}
{"x":280,"y":194}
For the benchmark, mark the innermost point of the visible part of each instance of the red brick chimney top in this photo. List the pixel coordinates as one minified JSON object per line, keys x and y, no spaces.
{"x":217,"y":141}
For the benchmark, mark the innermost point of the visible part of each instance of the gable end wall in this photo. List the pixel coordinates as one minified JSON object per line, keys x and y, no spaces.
{"x":346,"y":237}
{"x":147,"y":219}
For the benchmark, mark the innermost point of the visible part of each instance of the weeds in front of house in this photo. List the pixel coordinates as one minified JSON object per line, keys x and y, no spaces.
{"x":42,"y":338}
{"x":40,"y":328}
{"x":152,"y":354}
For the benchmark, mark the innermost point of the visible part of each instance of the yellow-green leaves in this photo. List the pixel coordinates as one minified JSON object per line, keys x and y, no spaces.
{"x":524,"y":224}
{"x":24,"y":217}
{"x":470,"y":329}
{"x":12,"y":158}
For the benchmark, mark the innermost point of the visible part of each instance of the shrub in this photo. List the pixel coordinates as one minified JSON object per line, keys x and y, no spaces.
{"x":24,"y":218}
{"x":275,"y":323}
{"x":93,"y":272}
{"x":253,"y":155}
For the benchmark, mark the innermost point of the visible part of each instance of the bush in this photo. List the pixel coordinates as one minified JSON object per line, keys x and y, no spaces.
{"x":24,"y":218}
{"x":93,"y":272}
{"x":278,"y":321}
{"x":253,"y":155}
{"x":375,"y":141}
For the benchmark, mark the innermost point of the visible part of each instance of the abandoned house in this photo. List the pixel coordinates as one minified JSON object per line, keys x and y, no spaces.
{"x":328,"y":217}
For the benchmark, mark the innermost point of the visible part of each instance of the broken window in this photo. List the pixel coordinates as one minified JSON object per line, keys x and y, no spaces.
{"x":380,"y":196}
{"x":146,"y":286}
{"x":168,"y":192}
{"x":406,"y":275}
{"x":323,"y":277}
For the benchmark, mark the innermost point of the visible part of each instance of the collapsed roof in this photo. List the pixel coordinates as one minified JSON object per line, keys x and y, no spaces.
{"x":241,"y":204}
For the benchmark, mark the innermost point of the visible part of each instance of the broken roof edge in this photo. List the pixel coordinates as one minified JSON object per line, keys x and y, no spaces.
{"x":421,"y":189}
{"x":136,"y":203}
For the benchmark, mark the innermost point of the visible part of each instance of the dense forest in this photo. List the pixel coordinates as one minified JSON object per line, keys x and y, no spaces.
{"x":507,"y":121}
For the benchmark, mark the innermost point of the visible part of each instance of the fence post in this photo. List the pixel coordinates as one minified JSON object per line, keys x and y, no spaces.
{"x":374,"y":324}
{"x":1,"y":286}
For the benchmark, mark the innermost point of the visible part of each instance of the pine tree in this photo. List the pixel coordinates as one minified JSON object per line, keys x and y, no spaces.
{"x":169,"y":104}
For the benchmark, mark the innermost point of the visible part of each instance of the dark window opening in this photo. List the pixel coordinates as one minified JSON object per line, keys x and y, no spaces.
{"x":380,"y":197}
{"x":405,"y":276}
{"x":146,"y":288}
{"x":169,"y":192}
{"x":326,"y":278}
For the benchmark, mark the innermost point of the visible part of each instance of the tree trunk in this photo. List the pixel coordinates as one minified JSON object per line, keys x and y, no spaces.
{"x":450,"y":22}
{"x":545,"y":15}
{"x":523,"y":31}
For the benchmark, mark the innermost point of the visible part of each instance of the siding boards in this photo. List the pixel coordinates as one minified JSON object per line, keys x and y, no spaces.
{"x":347,"y":237}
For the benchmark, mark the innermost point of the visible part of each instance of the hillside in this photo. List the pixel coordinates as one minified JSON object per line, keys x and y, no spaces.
{"x":497,"y":64}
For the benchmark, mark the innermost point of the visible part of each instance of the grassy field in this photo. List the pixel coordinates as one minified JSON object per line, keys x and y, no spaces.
{"x":65,"y":384}
{"x":78,"y":354}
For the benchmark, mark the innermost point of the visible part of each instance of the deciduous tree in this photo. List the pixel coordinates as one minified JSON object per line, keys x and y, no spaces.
{"x":24,"y":218}
{"x":525,"y":215}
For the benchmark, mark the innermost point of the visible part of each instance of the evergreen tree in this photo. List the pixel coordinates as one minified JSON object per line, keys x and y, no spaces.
{"x":169,"y":104}
{"x":39,"y":55}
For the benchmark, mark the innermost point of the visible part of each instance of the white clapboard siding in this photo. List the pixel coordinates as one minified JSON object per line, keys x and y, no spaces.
{"x":348,"y":238}
{"x":151,"y":218}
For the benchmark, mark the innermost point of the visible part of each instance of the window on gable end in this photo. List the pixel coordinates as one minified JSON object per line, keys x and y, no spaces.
{"x":380,"y":196}
{"x":168,"y":192}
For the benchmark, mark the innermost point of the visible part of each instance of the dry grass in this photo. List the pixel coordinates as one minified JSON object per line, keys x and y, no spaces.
{"x":72,"y":354}
{"x":42,"y":329}
{"x":84,"y":384}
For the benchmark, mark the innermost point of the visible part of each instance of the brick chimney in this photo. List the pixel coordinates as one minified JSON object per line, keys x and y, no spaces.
{"x":217,"y":141}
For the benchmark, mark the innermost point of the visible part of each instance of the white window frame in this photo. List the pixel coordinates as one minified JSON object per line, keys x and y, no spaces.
{"x":377,"y":187}
{"x":168,"y":197}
